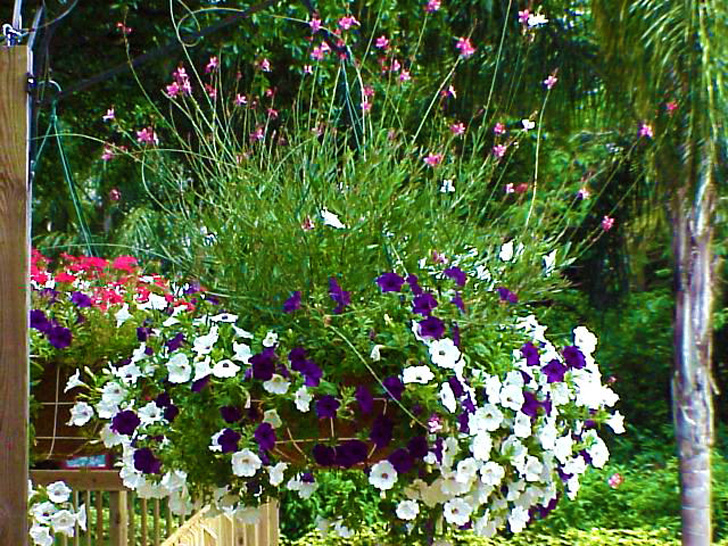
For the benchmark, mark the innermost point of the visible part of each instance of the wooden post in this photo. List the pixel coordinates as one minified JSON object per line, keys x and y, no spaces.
{"x":14,"y":294}
{"x":118,"y":519}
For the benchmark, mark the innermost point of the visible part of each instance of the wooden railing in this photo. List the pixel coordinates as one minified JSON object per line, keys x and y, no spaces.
{"x":117,"y":517}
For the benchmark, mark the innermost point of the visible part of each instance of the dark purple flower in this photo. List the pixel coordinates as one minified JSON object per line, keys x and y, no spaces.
{"x":125,"y":422}
{"x":350,"y":453}
{"x":229,"y":439}
{"x":530,"y":404}
{"x":293,"y":303}
{"x":163,"y":400}
{"x":200,"y":384}
{"x":312,"y":373}
{"x":417,"y":447}
{"x":175,"y":343}
{"x":554,"y":371}
{"x":143,"y":333}
{"x":574,"y":357}
{"x":437,"y":449}
{"x":171,"y":412}
{"x":506,"y":295}
{"x":423,"y":304}
{"x":59,"y":337}
{"x":297,"y":357}
{"x":149,"y":351}
{"x":324,"y":455}
{"x":263,"y":364}
{"x":79,"y":299}
{"x":231,"y":414}
{"x":307,"y":477}
{"x":341,"y":297}
{"x":381,"y":433}
{"x":458,"y":301}
{"x":390,"y":282}
{"x":414,"y":284}
{"x":365,"y":399}
{"x":146,"y":462}
{"x":432,"y":327}
{"x":326,"y":407}
{"x":468,"y":404}
{"x":401,"y":460}
{"x":530,"y":353}
{"x":212,"y":299}
{"x":464,"y":422}
{"x":39,"y":321}
{"x":265,"y":435}
{"x":394,"y":386}
{"x":456,"y":386}
{"x":456,"y":274}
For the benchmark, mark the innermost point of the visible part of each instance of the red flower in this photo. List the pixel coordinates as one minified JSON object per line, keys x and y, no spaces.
{"x":125,"y":263}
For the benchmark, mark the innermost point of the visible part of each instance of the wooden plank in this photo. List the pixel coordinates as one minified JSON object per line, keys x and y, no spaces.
{"x":118,"y":516}
{"x":14,"y":294}
{"x":99,"y":517}
{"x":144,"y":522}
{"x":87,"y":502}
{"x":132,"y":523}
{"x":157,"y":540}
{"x":82,"y":480}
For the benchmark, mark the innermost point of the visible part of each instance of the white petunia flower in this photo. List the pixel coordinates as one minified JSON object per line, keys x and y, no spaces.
{"x":150,"y":413}
{"x":330,"y":219}
{"x":272,"y":418}
{"x":64,"y":522}
{"x":444,"y":353}
{"x":491,"y":473}
{"x":240,"y":332}
{"x":43,"y":511}
{"x":484,"y":527}
{"x":276,"y":384}
{"x":547,"y":436}
{"x":407,"y":510}
{"x":122,"y":315}
{"x":58,"y":492}
{"x":81,"y":413}
{"x":74,"y":381}
{"x":533,"y":469}
{"x":242,"y":352}
{"x":276,"y":473}
{"x":457,"y":511}
{"x":417,"y":374}
{"x":481,"y":446}
{"x":447,"y":397}
{"x":202,"y":368}
{"x":224,"y":317}
{"x":81,"y":517}
{"x":41,"y":535}
{"x":506,"y":252}
{"x":585,"y":340}
{"x":203,"y":344}
{"x":616,"y":423}
{"x":383,"y":476}
{"x":303,"y":400}
{"x":485,"y":419}
{"x":511,"y":397}
{"x":245,"y":463}
{"x":562,"y":448}
{"x":522,"y":425}
{"x":518,"y":519}
{"x":492,"y":388}
{"x":376,"y":354}
{"x":111,"y":438}
{"x":467,"y":470}
{"x":271,"y":338}
{"x":179,"y":368}
{"x":129,"y":373}
{"x":225,"y":368}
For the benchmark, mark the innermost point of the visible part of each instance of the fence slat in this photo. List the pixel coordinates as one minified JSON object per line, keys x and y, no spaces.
{"x":99,"y":517}
{"x":87,"y":503}
{"x":132,"y":527}
{"x":156,"y":523}
{"x":144,"y":523}
{"x":118,"y":516}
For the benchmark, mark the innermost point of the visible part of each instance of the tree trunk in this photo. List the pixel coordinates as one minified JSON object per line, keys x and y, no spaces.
{"x":692,"y":385}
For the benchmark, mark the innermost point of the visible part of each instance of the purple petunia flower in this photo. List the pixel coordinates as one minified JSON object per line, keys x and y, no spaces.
{"x":312,"y":373}
{"x":171,"y":412}
{"x":458,"y":301}
{"x":530,"y":353}
{"x":468,"y":404}
{"x":401,"y":460}
{"x":506,"y":295}
{"x":265,"y":435}
{"x":231,"y":414}
{"x":175,"y":343}
{"x":530,"y":404}
{"x":340,"y":296}
{"x":414,"y":284}
{"x":364,"y":396}
{"x":125,"y":422}
{"x":263,"y":364}
{"x":432,"y":327}
{"x":456,"y":386}
{"x":324,"y":455}
{"x":229,"y":439}
{"x":81,"y":300}
{"x":59,"y":337}
{"x":423,"y":304}
{"x":381,"y":433}
{"x":394,"y":387}
{"x":143,"y":333}
{"x":350,"y":453}
{"x":456,"y":274}
{"x":293,"y":303}
{"x":574,"y":357}
{"x":297,"y":358}
{"x":417,"y":447}
{"x":326,"y":407}
{"x":163,"y":400}
{"x":554,"y":371}
{"x":39,"y":321}
{"x":390,"y":282}
{"x":146,"y":462}
{"x":464,"y":422}
{"x":200,"y":384}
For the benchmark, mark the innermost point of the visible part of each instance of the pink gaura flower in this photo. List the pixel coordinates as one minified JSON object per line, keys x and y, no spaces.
{"x":607,"y":223}
{"x":265,"y":65}
{"x":465,"y":46}
{"x":671,"y":106}
{"x":147,"y":136}
{"x":368,"y":91}
{"x":172,"y":90}
{"x":315,"y":24}
{"x":317,"y":54}
{"x":523,"y":16}
{"x":646,"y":130}
{"x":550,"y":81}
{"x":405,"y":76}
{"x":211,"y":91}
{"x":271,"y":92}
{"x":114,"y":195}
{"x":307,"y":69}
{"x":457,"y":129}
{"x":108,"y":153}
{"x":110,"y":114}
{"x":125,"y":30}
{"x":272,"y":113}
{"x":499,"y":129}
{"x":499,"y":150}
{"x":432,"y":6}
{"x":240,"y":100}
{"x":211,"y":65}
{"x":433,"y":160}
{"x":382,"y":42}
{"x":366,"y":106}
{"x":509,"y":188}
{"x":395,"y":66}
{"x":257,"y":135}
{"x":583,"y":193}
{"x":347,"y":22}
{"x":615,"y":480}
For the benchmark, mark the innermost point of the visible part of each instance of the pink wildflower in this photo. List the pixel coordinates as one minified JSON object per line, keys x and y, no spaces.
{"x":433,"y":160}
{"x":265,"y":65}
{"x":432,"y":6}
{"x":172,"y":90}
{"x":240,"y":100}
{"x":307,"y":224}
{"x":522,"y":187}
{"x":457,"y":129}
{"x":108,"y":153}
{"x":465,"y":46}
{"x":509,"y":188}
{"x":646,"y":130}
{"x":550,"y":81}
{"x":366,"y":105}
{"x":211,"y":91}
{"x":347,"y":22}
{"x":368,"y":91}
{"x":271,"y":92}
{"x":449,"y":92}
{"x":607,"y":223}
{"x":499,"y":129}
{"x":382,"y":42}
{"x":315,"y":24}
{"x":147,"y":136}
{"x":405,"y":76}
{"x":114,"y":194}
{"x":583,"y":193}
{"x":438,"y":258}
{"x":317,"y":54}
{"x":615,"y":480}
{"x":257,"y":135}
{"x":671,"y":106}
{"x":395,"y":66}
{"x":307,"y":69}
{"x":523,"y":16}
{"x":499,"y":150}
{"x":125,"y":30}
{"x":211,"y":65}
{"x":110,"y":114}
{"x":272,"y":113}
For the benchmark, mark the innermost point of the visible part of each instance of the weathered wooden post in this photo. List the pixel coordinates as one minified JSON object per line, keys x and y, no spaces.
{"x":14,"y":293}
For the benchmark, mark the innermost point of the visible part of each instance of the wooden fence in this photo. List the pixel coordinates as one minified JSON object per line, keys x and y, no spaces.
{"x":117,"y":517}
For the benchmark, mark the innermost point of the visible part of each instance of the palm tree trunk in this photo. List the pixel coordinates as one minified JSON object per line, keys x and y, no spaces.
{"x":692,"y":386}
